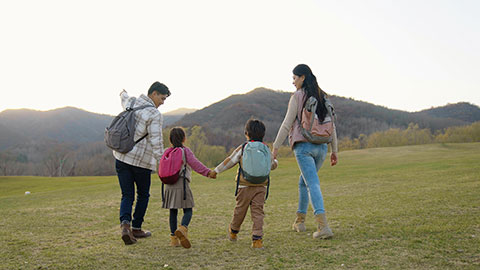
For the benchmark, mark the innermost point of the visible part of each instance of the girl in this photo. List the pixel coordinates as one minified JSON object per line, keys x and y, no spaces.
{"x":309,"y":156}
{"x":174,"y":194}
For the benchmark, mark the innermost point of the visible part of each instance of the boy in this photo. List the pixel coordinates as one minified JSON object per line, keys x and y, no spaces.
{"x":249,"y":194}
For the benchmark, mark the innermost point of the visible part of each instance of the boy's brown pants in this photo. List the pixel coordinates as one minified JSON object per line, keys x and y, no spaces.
{"x":255,"y":198}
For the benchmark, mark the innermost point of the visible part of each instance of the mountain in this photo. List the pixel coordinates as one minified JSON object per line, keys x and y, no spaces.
{"x":173,"y":116}
{"x":63,"y":125}
{"x":224,"y":120}
{"x":462,"y":111}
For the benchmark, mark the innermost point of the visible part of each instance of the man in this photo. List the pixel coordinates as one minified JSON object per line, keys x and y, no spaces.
{"x":136,"y":166}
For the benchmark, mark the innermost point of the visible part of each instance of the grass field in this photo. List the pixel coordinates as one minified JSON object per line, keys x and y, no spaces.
{"x":415,"y":207}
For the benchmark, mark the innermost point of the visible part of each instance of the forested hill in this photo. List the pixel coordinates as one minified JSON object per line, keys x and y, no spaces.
{"x":224,"y":121}
{"x":64,"y":125}
{"x":463,"y":111}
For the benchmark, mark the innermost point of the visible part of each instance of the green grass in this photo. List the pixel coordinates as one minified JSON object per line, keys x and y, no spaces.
{"x":414,"y":207}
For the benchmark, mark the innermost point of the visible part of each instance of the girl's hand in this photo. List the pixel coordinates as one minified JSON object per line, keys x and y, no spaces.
{"x":333,"y":159}
{"x":212,"y":174}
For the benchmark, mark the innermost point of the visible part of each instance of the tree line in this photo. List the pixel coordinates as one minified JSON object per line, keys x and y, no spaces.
{"x":66,"y":159}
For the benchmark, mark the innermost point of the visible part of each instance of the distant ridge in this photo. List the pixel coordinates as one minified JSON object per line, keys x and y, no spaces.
{"x":180,"y":111}
{"x":223,"y":121}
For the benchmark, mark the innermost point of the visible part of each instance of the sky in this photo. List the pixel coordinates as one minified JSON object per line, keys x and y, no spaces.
{"x":408,"y":55}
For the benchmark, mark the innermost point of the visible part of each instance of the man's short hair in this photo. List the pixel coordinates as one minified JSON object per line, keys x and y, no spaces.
{"x":255,"y":129}
{"x":159,"y":88}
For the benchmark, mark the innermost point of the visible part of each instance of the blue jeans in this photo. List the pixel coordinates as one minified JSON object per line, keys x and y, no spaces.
{"x":310,"y":158}
{"x":128,"y":177}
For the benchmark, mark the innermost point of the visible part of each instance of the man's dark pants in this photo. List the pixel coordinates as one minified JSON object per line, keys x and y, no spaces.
{"x":128,"y":177}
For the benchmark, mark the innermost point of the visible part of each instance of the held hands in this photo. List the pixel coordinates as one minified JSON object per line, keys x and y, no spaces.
{"x":212,"y":174}
{"x":333,"y":159}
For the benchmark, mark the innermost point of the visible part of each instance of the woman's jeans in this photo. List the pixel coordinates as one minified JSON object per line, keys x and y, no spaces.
{"x":128,"y":176}
{"x":310,"y":158}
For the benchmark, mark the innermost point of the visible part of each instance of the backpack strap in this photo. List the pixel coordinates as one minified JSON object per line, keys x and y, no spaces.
{"x":163,"y":196}
{"x":240,"y":170}
{"x":268,"y":187}
{"x":313,"y":109}
{"x":184,"y":157}
{"x":131,"y":108}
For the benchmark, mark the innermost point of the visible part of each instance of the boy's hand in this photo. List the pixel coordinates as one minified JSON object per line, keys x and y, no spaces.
{"x":275,"y":152}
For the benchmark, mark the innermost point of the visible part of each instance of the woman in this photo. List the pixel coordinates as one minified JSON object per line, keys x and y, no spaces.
{"x":309,"y":156}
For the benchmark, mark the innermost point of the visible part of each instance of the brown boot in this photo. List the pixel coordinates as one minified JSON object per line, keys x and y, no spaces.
{"x":299,"y":224}
{"x":257,"y":244}
{"x":323,"y":231}
{"x":139,"y":233}
{"x":174,"y":242}
{"x":127,"y":235}
{"x":182,"y":234}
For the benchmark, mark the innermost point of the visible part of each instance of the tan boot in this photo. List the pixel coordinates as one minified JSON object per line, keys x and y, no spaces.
{"x":299,"y":224}
{"x":323,"y":231}
{"x":182,"y":234}
{"x":257,"y":244}
{"x":174,"y":242}
{"x":127,"y":235}
{"x":231,"y":235}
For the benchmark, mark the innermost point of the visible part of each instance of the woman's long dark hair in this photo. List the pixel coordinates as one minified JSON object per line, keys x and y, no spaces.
{"x":311,"y":88}
{"x":177,"y":135}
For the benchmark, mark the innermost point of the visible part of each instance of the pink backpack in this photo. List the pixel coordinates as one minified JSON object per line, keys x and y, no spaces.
{"x":170,"y":166}
{"x":312,"y":129}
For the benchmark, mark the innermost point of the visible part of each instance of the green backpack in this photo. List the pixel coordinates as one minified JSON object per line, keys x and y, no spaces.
{"x":256,"y":164}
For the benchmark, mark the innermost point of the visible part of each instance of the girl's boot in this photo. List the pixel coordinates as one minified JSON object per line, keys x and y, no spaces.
{"x":323,"y":231}
{"x":299,"y":224}
{"x":181,"y":233}
{"x":174,"y":242}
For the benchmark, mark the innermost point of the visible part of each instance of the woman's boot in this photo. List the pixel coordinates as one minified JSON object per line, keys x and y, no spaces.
{"x":323,"y":231}
{"x":299,"y":224}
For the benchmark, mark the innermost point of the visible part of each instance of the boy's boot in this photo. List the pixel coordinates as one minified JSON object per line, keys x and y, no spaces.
{"x":232,"y":234}
{"x":181,"y":233}
{"x":174,"y":242}
{"x":299,"y":224}
{"x":139,"y":233}
{"x":127,"y":235}
{"x":257,"y":244}
{"x":323,"y":231}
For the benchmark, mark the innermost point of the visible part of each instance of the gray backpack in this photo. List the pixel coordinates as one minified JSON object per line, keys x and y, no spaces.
{"x":119,"y":134}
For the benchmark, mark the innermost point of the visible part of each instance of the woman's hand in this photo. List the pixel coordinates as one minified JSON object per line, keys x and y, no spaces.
{"x":333,"y":159}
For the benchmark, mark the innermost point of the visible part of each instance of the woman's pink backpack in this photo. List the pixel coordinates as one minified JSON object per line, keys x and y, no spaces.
{"x":170,"y":166}
{"x":312,"y":129}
